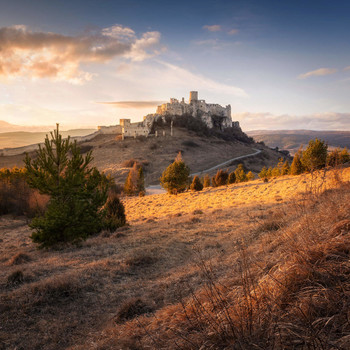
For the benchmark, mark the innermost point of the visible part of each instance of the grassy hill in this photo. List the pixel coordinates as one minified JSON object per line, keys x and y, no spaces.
{"x":250,"y":265}
{"x":113,"y":155}
{"x":291,"y":140}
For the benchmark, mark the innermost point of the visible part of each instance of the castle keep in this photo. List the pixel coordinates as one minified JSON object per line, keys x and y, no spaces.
{"x":212,"y":114}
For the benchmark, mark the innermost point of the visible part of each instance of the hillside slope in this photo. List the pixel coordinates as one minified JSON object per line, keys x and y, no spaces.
{"x":97,"y":294}
{"x":110,"y":154}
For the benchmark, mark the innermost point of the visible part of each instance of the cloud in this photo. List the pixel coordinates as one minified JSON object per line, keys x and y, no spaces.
{"x":178,"y":76}
{"x":318,"y":121}
{"x":347,"y":68}
{"x":134,"y":104}
{"x":318,"y":72}
{"x":233,"y":32}
{"x":213,"y":28}
{"x":24,"y":53}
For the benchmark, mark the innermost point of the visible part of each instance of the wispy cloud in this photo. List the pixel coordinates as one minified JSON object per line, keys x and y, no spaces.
{"x":347,"y":68}
{"x":233,"y":32}
{"x":24,"y":53}
{"x":318,"y":72}
{"x":182,"y":76}
{"x":212,"y":28}
{"x":134,"y":104}
{"x":320,"y":121}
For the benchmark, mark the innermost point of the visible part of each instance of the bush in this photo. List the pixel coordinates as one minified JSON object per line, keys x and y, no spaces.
{"x":250,"y":176}
{"x":175,"y":177}
{"x":114,"y":214}
{"x":231,"y":178}
{"x":196,"y":184}
{"x":263,"y":173}
{"x":297,"y":167}
{"x":221,"y":178}
{"x":240,"y":174}
{"x":338,"y":157}
{"x":315,"y":155}
{"x":206,"y":181}
{"x":77,"y":192}
{"x":135,"y":181}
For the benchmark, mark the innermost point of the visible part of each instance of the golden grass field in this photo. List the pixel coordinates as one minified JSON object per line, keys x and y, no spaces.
{"x":245,"y":266}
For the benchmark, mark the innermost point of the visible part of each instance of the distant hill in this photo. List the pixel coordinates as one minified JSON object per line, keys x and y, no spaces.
{"x":291,"y":140}
{"x":24,"y":138}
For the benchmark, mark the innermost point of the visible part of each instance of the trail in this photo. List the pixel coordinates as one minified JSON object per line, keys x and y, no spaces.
{"x":157,"y":189}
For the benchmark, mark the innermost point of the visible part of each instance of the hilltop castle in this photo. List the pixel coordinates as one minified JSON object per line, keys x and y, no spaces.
{"x":212,"y":114}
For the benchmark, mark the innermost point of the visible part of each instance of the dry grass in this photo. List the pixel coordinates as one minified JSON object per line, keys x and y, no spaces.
{"x":227,"y":268}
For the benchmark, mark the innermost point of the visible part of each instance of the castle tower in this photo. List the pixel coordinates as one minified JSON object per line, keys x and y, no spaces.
{"x":193,"y":96}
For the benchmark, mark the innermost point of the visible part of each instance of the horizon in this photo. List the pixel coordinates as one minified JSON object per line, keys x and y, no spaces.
{"x":277,"y":65}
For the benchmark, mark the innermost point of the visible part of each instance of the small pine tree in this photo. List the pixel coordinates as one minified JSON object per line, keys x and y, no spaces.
{"x":297,"y":167}
{"x":114,"y":214}
{"x":240,"y":174}
{"x":77,"y":192}
{"x":221,"y":178}
{"x":196,"y":184}
{"x":285,"y":168}
{"x":344,"y":156}
{"x":250,"y":176}
{"x":315,"y":155}
{"x":269,"y":172}
{"x":275,"y":171}
{"x":175,"y":177}
{"x":263,"y":173}
{"x":206,"y":181}
{"x":231,"y":178}
{"x":129,"y":186}
{"x":213,"y":182}
{"x":140,"y":182}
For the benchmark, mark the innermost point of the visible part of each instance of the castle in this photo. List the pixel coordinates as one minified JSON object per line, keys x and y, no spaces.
{"x":212,"y":114}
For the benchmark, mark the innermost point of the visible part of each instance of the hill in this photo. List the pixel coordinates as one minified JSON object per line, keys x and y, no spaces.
{"x":251,"y":265}
{"x":24,"y":138}
{"x":291,"y":140}
{"x":115,"y":156}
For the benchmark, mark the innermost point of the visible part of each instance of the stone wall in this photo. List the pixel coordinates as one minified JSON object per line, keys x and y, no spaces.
{"x":112,"y":129}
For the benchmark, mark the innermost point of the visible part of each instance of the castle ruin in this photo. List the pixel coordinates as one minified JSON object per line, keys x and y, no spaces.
{"x":212,"y":114}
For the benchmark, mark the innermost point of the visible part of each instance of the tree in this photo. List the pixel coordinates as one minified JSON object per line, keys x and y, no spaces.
{"x":315,"y":155}
{"x":140,"y":182}
{"x":135,"y":181}
{"x":231,"y":178}
{"x":114,"y":213}
{"x":206,"y":181}
{"x":77,"y":192}
{"x":297,"y":167}
{"x":240,"y":174}
{"x":250,"y":176}
{"x":196,"y":184}
{"x":175,"y":177}
{"x":285,"y":168}
{"x":263,"y":173}
{"x":221,"y":178}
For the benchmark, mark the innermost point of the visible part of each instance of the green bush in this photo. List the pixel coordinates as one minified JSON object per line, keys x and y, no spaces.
{"x":175,"y":177}
{"x":315,"y":155}
{"x":231,"y":178}
{"x":221,"y":178}
{"x":114,"y":214}
{"x":196,"y":184}
{"x":240,"y":174}
{"x":77,"y":192}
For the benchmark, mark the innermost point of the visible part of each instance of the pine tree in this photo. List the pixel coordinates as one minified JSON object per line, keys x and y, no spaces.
{"x":263,"y":173}
{"x":196,"y":184}
{"x":221,"y":178}
{"x":315,"y":155}
{"x":114,"y":214}
{"x":206,"y":181}
{"x":297,"y":167}
{"x":175,"y":177}
{"x":231,"y":178}
{"x":129,"y":186}
{"x":285,"y":168}
{"x":250,"y":176}
{"x":77,"y":192}
{"x":140,"y":183}
{"x":240,"y":174}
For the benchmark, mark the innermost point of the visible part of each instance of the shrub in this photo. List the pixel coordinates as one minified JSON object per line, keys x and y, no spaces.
{"x":196,"y":184}
{"x":231,"y":178}
{"x":221,"y":178}
{"x":263,"y":173}
{"x":130,"y":163}
{"x":240,"y":174}
{"x":135,"y":181}
{"x":297,"y":167}
{"x":285,"y":168}
{"x":77,"y":192}
{"x":206,"y":181}
{"x":315,"y":155}
{"x":338,"y":157}
{"x":250,"y":176}
{"x":114,"y":214}
{"x":132,"y":308}
{"x":213,"y":183}
{"x":175,"y":177}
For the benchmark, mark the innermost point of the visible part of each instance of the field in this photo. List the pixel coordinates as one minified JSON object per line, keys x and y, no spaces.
{"x":185,"y":262}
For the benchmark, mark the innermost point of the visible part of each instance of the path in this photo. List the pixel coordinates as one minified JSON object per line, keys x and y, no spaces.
{"x":157,"y":189}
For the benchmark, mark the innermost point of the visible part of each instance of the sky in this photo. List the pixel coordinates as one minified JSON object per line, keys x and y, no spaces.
{"x":280,"y":64}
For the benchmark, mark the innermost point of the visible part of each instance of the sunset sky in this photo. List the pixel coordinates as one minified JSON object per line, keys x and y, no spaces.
{"x":280,"y":64}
